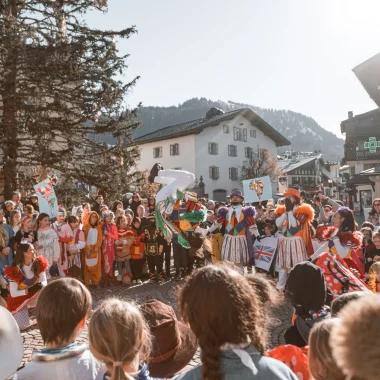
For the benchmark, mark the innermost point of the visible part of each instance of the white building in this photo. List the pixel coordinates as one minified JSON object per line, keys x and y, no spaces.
{"x":214,"y":147}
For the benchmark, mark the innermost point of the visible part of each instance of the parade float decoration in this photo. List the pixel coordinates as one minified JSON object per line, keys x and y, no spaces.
{"x":177,"y":210}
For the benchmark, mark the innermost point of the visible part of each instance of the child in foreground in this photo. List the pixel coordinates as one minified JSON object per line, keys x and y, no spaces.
{"x":119,"y":337}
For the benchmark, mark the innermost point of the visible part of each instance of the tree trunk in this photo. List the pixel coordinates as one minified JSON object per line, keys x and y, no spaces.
{"x":9,"y":98}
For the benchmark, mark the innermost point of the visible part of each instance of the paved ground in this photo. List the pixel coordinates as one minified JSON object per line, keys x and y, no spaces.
{"x":281,"y":316}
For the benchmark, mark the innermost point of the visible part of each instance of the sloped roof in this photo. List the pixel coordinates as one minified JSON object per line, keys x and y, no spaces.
{"x":371,"y":115}
{"x":358,"y":179}
{"x":368,"y":74}
{"x":287,"y":166}
{"x":372,"y":171}
{"x":197,"y":126}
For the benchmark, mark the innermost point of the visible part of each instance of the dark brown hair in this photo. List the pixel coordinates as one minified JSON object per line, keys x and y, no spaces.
{"x":72,"y":219}
{"x":61,"y":306}
{"x":19,"y":258}
{"x":238,"y":317}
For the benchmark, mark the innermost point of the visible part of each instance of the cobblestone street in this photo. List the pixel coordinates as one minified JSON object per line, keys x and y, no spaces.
{"x":281,"y":316}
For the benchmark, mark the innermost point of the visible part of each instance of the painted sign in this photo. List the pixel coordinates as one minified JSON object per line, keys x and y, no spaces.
{"x":257,"y":189}
{"x":47,"y":200}
{"x":372,"y":145}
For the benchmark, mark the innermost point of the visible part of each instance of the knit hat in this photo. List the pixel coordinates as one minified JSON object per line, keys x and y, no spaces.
{"x":292,"y":192}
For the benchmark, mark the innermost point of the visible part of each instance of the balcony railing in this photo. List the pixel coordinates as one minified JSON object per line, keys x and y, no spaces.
{"x":361,"y":155}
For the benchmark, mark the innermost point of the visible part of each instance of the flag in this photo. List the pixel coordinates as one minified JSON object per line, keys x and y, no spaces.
{"x":264,"y":252}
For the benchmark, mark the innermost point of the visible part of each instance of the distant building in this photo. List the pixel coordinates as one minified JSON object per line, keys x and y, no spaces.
{"x":362,"y":147}
{"x":214,"y":147}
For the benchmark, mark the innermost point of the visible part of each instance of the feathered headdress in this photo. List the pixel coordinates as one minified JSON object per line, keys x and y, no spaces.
{"x":304,"y":213}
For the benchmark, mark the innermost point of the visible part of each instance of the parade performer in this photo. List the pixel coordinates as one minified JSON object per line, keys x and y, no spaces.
{"x":93,"y":256}
{"x":235,"y":221}
{"x":63,"y":231}
{"x":295,"y":244}
{"x":110,"y":235}
{"x":27,"y":276}
{"x":342,"y":240}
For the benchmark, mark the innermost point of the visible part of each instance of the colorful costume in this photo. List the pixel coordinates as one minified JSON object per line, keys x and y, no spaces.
{"x":235,"y":221}
{"x":295,"y":244}
{"x":24,"y":288}
{"x":50,"y":248}
{"x":109,"y":247}
{"x":123,"y":253}
{"x":137,"y":254}
{"x":64,"y":236}
{"x":93,"y":254}
{"x":73,"y":249}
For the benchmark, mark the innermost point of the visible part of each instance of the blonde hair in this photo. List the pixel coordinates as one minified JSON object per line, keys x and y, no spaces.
{"x":322,"y":366}
{"x":358,"y":334}
{"x":117,"y":334}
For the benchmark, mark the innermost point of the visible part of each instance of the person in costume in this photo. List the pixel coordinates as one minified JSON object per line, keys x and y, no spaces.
{"x":137,"y":251}
{"x":27,"y":276}
{"x":47,"y":241}
{"x":93,"y":255}
{"x":74,"y":247}
{"x":123,"y":250}
{"x":342,"y":239}
{"x":295,"y":241}
{"x":154,"y":246}
{"x":110,"y":235}
{"x":234,"y":222}
{"x":63,"y":231}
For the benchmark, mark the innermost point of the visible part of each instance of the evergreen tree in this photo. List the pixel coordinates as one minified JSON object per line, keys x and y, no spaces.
{"x":61,"y":90}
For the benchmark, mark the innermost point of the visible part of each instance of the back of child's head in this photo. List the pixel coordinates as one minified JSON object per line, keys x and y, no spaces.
{"x":344,"y":299}
{"x":118,"y":335}
{"x":62,"y":307}
{"x":322,"y":366}
{"x":235,"y":318}
{"x":358,"y":337}
{"x":369,"y":225}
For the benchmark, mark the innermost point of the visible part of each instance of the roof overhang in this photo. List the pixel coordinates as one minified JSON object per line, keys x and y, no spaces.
{"x":368,"y":74}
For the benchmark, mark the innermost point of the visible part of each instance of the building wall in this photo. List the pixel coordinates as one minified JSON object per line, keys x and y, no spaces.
{"x":185,"y":160}
{"x":216,"y":134}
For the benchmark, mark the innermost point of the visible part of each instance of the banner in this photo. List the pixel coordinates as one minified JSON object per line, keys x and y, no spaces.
{"x":46,"y":198}
{"x":257,"y":189}
{"x":264,"y":252}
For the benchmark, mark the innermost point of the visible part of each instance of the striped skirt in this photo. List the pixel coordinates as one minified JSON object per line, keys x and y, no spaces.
{"x":291,"y":251}
{"x":235,"y":249}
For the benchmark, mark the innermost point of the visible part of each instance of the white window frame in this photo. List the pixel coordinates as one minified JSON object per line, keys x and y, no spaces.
{"x":232,"y":150}
{"x":213,"y":172}
{"x":174,"y":149}
{"x":157,"y":153}
{"x":233,"y":174}
{"x":212,"y":151}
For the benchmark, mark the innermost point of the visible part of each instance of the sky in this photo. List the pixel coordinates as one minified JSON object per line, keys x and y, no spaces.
{"x":282,"y":54}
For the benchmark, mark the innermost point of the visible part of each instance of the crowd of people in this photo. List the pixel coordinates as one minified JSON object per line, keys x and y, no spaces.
{"x":323,"y":259}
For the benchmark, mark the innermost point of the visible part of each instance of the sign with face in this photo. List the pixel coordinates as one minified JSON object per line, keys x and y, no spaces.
{"x":257,"y":189}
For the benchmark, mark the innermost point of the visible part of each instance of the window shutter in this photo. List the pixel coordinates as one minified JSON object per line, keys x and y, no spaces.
{"x":245,"y":135}
{"x":230,"y":172}
{"x":254,"y":133}
{"x":160,"y":150}
{"x":209,"y":148}
{"x":210,"y":171}
{"x":154,"y":152}
{"x":217,"y":173}
{"x":235,"y":150}
{"x":235,"y":134}
{"x":177,"y":149}
{"x":216,"y":148}
{"x":171,"y":150}
{"x":229,"y":150}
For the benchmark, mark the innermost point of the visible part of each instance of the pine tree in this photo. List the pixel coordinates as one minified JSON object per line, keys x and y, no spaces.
{"x":61,"y":89}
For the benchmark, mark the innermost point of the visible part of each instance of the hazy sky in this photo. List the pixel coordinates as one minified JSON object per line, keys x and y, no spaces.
{"x":283,"y":54}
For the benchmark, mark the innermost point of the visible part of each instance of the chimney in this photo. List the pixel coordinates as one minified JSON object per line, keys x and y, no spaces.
{"x":350,"y":114}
